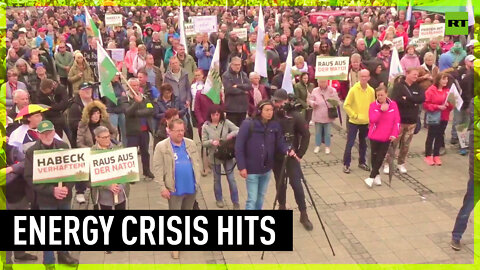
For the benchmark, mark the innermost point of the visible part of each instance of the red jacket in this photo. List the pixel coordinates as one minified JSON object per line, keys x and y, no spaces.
{"x":435,"y":98}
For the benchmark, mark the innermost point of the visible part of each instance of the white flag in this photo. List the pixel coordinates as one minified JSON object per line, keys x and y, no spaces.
{"x":181,"y":23}
{"x":260,"y":59}
{"x":458,"y":97}
{"x":409,"y":11}
{"x":91,"y":28}
{"x":287,"y":83}
{"x":471,"y":16}
{"x":395,"y":67}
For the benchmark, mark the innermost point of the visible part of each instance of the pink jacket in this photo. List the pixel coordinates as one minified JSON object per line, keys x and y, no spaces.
{"x":318,"y":100}
{"x":409,"y":61}
{"x":383,"y":125}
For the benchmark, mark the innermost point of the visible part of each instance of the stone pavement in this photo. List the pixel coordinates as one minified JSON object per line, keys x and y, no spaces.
{"x":409,"y":222}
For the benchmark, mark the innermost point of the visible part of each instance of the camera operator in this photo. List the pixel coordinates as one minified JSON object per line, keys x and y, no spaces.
{"x":297,"y":135}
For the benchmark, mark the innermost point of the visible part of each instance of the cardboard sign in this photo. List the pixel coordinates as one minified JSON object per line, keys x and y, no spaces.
{"x":241,"y":33}
{"x":113,"y":19}
{"x":189,"y":31}
{"x":398,"y":43}
{"x":205,"y":24}
{"x":430,"y":31}
{"x":117,"y":54}
{"x":332,"y":68}
{"x":114,"y":167}
{"x":59,"y":165}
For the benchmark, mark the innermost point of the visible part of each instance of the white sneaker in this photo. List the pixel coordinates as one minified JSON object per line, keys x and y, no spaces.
{"x":316,"y":150}
{"x":386,"y":169}
{"x":401,"y":168}
{"x":327,"y":150}
{"x":80,"y":198}
{"x":377,"y":180}
{"x":369,"y":182}
{"x":311,"y":123}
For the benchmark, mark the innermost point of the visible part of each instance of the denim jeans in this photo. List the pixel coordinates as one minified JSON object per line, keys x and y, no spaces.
{"x":362,"y":131}
{"x":256,"y":188}
{"x":228,"y":166}
{"x":469,"y":201}
{"x":118,"y":121}
{"x":322,"y":131}
{"x":48,"y":256}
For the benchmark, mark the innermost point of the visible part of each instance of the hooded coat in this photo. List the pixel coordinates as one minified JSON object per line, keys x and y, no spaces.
{"x":85,"y":129}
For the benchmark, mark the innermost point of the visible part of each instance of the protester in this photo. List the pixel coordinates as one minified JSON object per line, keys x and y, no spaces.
{"x":216,"y":131}
{"x":55,"y":96}
{"x":256,"y":94}
{"x":80,"y":72}
{"x":236,"y":85}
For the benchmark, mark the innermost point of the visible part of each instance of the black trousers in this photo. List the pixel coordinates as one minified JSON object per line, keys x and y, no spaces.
{"x":68,"y":84}
{"x":294,"y":175}
{"x":435,"y":139}
{"x":120,"y":206}
{"x":236,"y":118}
{"x":142,"y":140}
{"x":379,"y":150}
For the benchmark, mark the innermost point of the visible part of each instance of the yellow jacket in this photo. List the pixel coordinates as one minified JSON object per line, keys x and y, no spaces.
{"x":358,"y":103}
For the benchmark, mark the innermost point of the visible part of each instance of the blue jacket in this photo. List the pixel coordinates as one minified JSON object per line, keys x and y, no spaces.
{"x":38,"y":41}
{"x":255,"y":149}
{"x":203,"y":60}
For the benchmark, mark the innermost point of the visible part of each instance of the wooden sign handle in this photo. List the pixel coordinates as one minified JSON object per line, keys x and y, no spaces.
{"x":115,"y":199}
{"x":59,"y":184}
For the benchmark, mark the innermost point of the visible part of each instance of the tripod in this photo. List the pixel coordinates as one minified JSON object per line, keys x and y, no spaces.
{"x":283,"y":184}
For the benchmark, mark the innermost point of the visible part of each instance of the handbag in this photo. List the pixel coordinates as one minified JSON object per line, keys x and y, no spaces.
{"x":226,"y":148}
{"x":332,"y":112}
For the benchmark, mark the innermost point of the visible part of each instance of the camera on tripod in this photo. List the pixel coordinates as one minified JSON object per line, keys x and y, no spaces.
{"x":293,"y":104}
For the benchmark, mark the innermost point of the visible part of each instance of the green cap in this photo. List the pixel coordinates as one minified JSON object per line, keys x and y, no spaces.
{"x":45,"y":125}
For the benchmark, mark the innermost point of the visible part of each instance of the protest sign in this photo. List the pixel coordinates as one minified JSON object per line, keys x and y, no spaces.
{"x":117,"y":54}
{"x":332,"y":68}
{"x":430,"y":31}
{"x":113,"y":19}
{"x":189,"y":31}
{"x":114,"y":166}
{"x":205,"y":24}
{"x":241,"y":33}
{"x":58,"y":165}
{"x":398,"y":43}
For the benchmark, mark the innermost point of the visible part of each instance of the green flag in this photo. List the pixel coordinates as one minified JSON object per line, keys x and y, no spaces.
{"x":106,"y":71}
{"x":92,"y":30}
{"x":213,"y":85}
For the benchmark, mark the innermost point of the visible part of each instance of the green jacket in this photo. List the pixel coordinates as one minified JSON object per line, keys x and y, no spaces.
{"x":62,"y":61}
{"x":302,"y":91}
{"x":189,"y":66}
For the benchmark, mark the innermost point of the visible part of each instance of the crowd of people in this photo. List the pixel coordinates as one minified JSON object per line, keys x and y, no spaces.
{"x":52,"y":60}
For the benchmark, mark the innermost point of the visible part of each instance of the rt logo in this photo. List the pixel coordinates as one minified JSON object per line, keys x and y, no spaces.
{"x":456,"y":23}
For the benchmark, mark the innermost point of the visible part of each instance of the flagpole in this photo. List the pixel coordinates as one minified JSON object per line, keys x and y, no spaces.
{"x":129,"y":87}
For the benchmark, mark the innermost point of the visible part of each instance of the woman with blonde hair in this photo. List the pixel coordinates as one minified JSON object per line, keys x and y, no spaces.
{"x":80,"y":71}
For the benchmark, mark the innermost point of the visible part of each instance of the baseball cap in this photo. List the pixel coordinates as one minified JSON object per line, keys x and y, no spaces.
{"x":280,"y":94}
{"x":23,"y":30}
{"x":41,"y":29}
{"x":129,"y":24}
{"x":37,"y":65}
{"x":45,"y":125}
{"x":470,"y":58}
{"x":472,"y":43}
{"x":84,"y":86}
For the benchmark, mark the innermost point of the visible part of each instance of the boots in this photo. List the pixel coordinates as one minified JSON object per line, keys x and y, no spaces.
{"x":305,"y":221}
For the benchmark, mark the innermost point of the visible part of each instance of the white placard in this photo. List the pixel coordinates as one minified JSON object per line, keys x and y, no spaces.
{"x":113,"y":19}
{"x":114,"y":167}
{"x":332,"y":68}
{"x":429,"y":31}
{"x":189,"y":31}
{"x":117,"y":54}
{"x":60,"y":165}
{"x":398,"y":43}
{"x":241,"y":33}
{"x":205,"y":24}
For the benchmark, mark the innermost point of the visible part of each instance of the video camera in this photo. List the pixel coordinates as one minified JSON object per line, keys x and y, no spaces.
{"x":293,"y":104}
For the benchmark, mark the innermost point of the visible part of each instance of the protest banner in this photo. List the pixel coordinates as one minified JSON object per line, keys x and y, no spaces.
{"x":59,"y":165}
{"x":114,"y":166}
{"x":205,"y":24}
{"x":398,"y":43}
{"x":241,"y":33}
{"x":332,"y":68}
{"x":189,"y":31}
{"x":430,"y":31}
{"x":113,"y":19}
{"x":117,"y":54}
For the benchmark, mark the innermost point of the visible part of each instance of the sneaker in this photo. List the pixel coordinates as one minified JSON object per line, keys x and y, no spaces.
{"x":369,"y":182}
{"x":236,"y":206}
{"x":26,"y":257}
{"x":463,"y":152}
{"x":437,"y":161}
{"x":311,"y":123}
{"x":377,"y":180}
{"x":429,"y":160}
{"x":386,"y":169}
{"x":346,"y":169}
{"x":220,"y":204}
{"x":66,"y":258}
{"x":316,"y":150}
{"x":327,"y":150}
{"x":401,"y":168}
{"x":364,"y":167}
{"x":455,"y":244}
{"x":80,"y":198}
{"x":454,"y":141}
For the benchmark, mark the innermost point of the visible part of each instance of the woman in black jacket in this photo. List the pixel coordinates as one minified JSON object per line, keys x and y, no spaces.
{"x":378,"y":74}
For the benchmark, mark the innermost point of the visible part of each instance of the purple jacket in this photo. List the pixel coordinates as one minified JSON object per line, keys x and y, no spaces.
{"x":383,"y":124}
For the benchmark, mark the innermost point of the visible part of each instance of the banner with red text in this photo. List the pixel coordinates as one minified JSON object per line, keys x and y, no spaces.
{"x":59,"y":165}
{"x":114,"y":166}
{"x":332,"y":68}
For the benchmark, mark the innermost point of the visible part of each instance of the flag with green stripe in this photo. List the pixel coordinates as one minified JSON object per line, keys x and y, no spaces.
{"x":106,"y":72}
{"x":91,"y":28}
{"x":213,"y":84}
